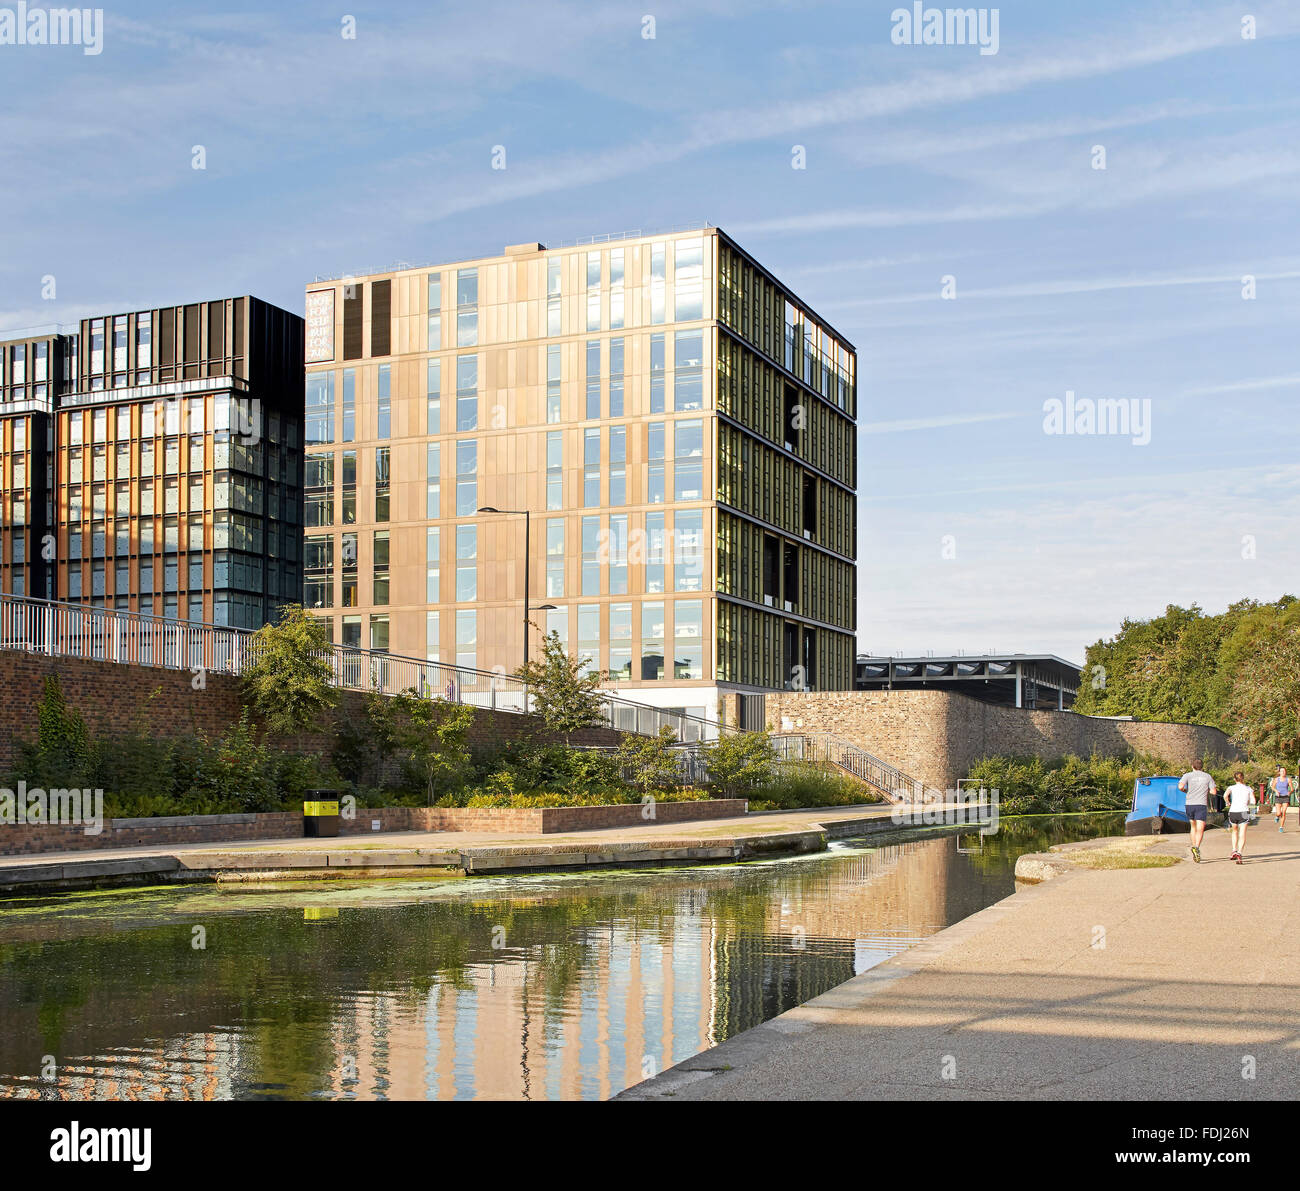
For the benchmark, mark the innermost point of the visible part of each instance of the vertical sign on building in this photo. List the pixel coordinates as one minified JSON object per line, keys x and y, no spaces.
{"x":320,"y":325}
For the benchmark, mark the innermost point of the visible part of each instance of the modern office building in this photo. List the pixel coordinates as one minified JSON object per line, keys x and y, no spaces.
{"x":1039,"y":681}
{"x":152,"y":461}
{"x":678,"y":426}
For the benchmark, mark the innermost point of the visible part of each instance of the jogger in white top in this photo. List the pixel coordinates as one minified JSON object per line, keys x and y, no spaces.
{"x":1241,"y":798}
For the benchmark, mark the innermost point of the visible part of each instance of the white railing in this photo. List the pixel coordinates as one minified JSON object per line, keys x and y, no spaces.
{"x":136,"y":639}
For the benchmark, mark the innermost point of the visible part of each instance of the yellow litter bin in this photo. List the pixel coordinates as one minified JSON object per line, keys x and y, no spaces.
{"x":320,"y":814}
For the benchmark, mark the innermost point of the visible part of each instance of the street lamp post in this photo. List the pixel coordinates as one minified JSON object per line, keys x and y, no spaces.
{"x":527,"y":516}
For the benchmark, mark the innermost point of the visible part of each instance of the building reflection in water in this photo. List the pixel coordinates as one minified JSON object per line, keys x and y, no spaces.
{"x":621,"y":976}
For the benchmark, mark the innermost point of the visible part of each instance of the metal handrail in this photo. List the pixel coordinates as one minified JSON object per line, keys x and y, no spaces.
{"x":59,"y":629}
{"x":888,"y":779}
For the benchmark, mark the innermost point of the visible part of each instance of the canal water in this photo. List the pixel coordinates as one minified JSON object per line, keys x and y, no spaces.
{"x":514,"y":988}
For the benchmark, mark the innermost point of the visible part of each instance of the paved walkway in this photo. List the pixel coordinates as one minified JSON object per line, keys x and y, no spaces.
{"x":1194,"y":991}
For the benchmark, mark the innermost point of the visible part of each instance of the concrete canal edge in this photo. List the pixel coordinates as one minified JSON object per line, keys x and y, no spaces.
{"x":339,"y":862}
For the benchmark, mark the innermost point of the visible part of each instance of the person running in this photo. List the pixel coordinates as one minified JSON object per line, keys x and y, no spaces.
{"x":1281,"y":787}
{"x":1197,"y":785}
{"x":1241,"y":798}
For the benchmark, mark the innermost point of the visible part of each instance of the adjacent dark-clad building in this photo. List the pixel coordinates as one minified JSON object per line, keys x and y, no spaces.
{"x":1033,"y":680}
{"x":152,"y":461}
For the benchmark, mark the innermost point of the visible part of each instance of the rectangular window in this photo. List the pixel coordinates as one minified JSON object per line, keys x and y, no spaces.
{"x":349,"y":493}
{"x":618,"y":554}
{"x":432,"y":637}
{"x":143,"y":347}
{"x":616,"y":298}
{"x":593,"y":379}
{"x":688,"y":639}
{"x":435,"y":313}
{"x":318,"y":423}
{"x":618,"y":465}
{"x":591,"y":556}
{"x":467,"y":638}
{"x":466,"y":563}
{"x":557,"y":622}
{"x":318,"y":572}
{"x":688,"y":461}
{"x":380,"y":564}
{"x":589,"y":636}
{"x":652,"y":641}
{"x":466,"y":307}
{"x":383,"y":487}
{"x":590,"y":469}
{"x":688,"y":550}
{"x":655,"y":488}
{"x":616,"y":378}
{"x":688,"y":370}
{"x":384,"y":402}
{"x":593,"y":291}
{"x":554,"y":469}
{"x":553,"y":296}
{"x":350,"y":405}
{"x":433,"y":565}
{"x":433,"y":398}
{"x":351,"y":632}
{"x":688,"y":279}
{"x":466,"y":478}
{"x":657,"y":283}
{"x":553,"y":397}
{"x":318,"y":507}
{"x":433,"y":480}
{"x":349,"y":570}
{"x":555,"y":557}
{"x":657,"y":374}
{"x":379,"y":632}
{"x":466,"y":393}
{"x":620,"y":642}
{"x":96,"y":357}
{"x":654,"y":552}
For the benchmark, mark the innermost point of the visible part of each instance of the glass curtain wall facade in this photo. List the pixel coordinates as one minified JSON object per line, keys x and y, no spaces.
{"x":680,"y":428}
{"x":152,"y":462}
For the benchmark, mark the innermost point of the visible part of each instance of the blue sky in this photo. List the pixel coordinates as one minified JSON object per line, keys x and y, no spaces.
{"x":978,"y":530}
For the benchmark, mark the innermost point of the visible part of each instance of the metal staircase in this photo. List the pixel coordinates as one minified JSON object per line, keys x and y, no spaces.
{"x":847,"y":757}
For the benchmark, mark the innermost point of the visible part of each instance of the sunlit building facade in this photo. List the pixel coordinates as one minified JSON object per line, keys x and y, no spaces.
{"x":152,"y":462}
{"x":678,"y":426}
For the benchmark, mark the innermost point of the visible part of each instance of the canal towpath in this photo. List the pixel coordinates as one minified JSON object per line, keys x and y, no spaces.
{"x":1170,"y":983}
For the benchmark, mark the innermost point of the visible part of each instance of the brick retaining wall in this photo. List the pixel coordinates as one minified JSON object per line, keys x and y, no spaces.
{"x":31,"y":839}
{"x":112,"y":698}
{"x":937,"y":735}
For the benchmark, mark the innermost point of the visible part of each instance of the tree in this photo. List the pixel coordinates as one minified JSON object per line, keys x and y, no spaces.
{"x":436,"y":734}
{"x":289,"y":680}
{"x":740,"y":762}
{"x":649,"y":762}
{"x":565,"y":692}
{"x":1262,"y":674}
{"x":1173,"y":667}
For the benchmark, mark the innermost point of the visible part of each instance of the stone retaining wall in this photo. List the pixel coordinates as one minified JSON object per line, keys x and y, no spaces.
{"x":937,"y":735}
{"x":31,"y":840}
